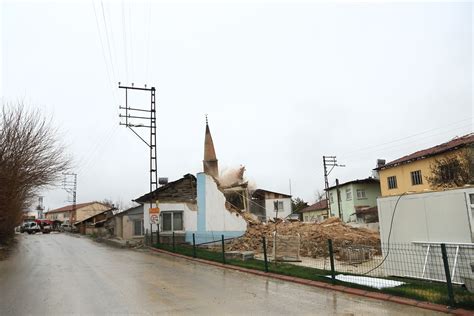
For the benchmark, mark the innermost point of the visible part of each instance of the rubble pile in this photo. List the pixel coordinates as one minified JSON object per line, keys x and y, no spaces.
{"x":314,"y":236}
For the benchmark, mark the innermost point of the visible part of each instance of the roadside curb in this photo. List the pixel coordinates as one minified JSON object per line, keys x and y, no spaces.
{"x":339,"y":288}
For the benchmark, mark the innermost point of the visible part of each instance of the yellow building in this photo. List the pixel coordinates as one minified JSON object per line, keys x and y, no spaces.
{"x":411,"y":173}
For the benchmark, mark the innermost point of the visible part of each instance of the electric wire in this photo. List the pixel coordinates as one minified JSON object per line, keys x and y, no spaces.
{"x":124,"y":33}
{"x":364,"y":149}
{"x":148,"y":44}
{"x":132,"y":70}
{"x":114,"y":96}
{"x":108,"y":41}
{"x":390,"y":151}
{"x":389,"y":235}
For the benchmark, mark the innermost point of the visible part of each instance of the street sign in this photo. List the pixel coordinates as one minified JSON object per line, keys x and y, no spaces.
{"x":154,"y":218}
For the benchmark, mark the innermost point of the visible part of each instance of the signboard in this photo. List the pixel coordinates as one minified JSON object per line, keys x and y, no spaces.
{"x":154,"y":219}
{"x":154,"y":210}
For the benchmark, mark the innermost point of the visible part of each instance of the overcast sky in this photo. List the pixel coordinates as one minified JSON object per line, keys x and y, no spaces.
{"x":283,"y":84}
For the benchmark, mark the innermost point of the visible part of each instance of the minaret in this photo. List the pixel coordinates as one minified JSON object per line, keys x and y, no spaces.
{"x":210,"y":160}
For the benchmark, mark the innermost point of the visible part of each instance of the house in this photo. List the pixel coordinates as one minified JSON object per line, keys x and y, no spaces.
{"x":78,"y":212}
{"x":177,"y":202}
{"x":128,"y":224}
{"x":95,"y":224}
{"x":316,"y":212}
{"x":268,"y":204}
{"x":353,"y":196}
{"x":412,"y":172}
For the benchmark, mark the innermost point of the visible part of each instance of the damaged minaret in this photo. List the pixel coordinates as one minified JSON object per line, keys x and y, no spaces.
{"x":210,"y":160}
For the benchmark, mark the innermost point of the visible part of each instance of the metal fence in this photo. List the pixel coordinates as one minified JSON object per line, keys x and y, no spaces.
{"x":434,"y":272}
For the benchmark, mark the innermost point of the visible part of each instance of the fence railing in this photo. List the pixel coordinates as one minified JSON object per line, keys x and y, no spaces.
{"x":435,"y":272}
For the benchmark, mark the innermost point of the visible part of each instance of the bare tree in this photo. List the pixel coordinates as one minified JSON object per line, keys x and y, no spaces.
{"x":454,"y":170}
{"x":31,"y":158}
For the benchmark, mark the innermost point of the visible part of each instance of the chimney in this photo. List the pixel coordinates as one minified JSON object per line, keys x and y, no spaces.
{"x":210,"y":164}
{"x":375,"y":173}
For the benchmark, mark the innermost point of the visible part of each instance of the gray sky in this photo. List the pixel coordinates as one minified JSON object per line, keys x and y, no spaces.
{"x":283,"y":84}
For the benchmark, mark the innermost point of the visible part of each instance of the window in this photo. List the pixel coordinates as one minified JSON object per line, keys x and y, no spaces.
{"x":171,"y":221}
{"x":331,"y":197}
{"x":348,"y":194}
{"x":449,"y":171}
{"x":361,"y":194}
{"x":416,"y":177}
{"x":278,"y":206}
{"x":392,"y":182}
{"x":138,"y":227}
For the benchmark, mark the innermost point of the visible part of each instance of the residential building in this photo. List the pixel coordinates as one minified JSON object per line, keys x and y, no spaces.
{"x":128,"y":224}
{"x":353,"y":196}
{"x":411,"y":173}
{"x":78,"y":212}
{"x":316,"y":212}
{"x":95,"y":224}
{"x":268,"y":204}
{"x":177,"y":202}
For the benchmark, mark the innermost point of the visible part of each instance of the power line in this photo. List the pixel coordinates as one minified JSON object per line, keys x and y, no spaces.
{"x":108,"y":41}
{"x":124,"y":41}
{"x":114,"y":96}
{"x":362,"y":153}
{"x":348,"y":154}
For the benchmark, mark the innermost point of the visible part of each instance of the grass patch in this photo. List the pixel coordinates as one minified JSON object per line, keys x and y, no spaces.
{"x":428,"y":291}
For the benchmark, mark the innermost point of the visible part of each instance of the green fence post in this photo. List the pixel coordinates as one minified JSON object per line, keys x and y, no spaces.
{"x":174,"y":244}
{"x":265,"y":253}
{"x":448,"y":275}
{"x":158,"y":234}
{"x":223,"y":249}
{"x":151,"y":234}
{"x":194,"y":246}
{"x":331,"y":259}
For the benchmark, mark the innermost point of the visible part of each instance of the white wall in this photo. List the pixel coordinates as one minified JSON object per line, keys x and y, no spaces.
{"x":189,"y":214}
{"x":270,"y":209}
{"x":434,"y":216}
{"x":218,"y":218}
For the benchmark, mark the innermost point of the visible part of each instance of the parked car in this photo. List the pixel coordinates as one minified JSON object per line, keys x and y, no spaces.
{"x":32,"y":228}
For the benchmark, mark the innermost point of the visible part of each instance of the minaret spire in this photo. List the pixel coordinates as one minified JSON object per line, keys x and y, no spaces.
{"x":210,"y":164}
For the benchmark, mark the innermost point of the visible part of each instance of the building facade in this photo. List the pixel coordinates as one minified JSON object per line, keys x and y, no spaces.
{"x":70,"y":214}
{"x":268,"y":204}
{"x":316,"y":212}
{"x":411,"y":173}
{"x":353,"y":195}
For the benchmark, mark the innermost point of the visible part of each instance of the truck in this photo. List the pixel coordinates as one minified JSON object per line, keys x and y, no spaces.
{"x":37,"y":226}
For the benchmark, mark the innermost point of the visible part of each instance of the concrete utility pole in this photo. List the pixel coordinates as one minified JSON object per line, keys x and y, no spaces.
{"x":339,"y":200}
{"x":329,"y":161}
{"x":134,"y":119}
{"x":70,"y":186}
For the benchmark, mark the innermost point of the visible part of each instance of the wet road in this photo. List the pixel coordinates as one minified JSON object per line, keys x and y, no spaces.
{"x":60,"y":274}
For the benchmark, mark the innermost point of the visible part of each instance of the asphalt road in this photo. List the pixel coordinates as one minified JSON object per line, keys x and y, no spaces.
{"x":60,"y":274}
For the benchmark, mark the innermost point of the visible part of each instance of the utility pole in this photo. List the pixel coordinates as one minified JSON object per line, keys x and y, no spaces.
{"x":135,"y":118}
{"x":329,"y":161}
{"x":339,"y":200}
{"x":70,"y":186}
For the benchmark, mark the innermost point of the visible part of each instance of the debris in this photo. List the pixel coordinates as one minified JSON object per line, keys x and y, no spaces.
{"x":314,"y":236}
